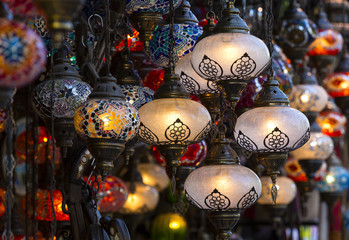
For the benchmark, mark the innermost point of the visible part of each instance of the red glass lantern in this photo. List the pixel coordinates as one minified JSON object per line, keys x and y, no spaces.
{"x":332,"y":123}
{"x":25,"y":8}
{"x":294,"y":171}
{"x":134,"y":44}
{"x":327,"y":42}
{"x":44,"y":145}
{"x":2,"y":201}
{"x":113,"y":193}
{"x":195,"y":154}
{"x":2,"y":120}
{"x":154,"y":79}
{"x":337,"y":84}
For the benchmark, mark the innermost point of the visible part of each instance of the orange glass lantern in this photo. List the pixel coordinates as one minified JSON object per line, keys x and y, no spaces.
{"x":134,"y":44}
{"x":44,"y":145}
{"x":294,"y":171}
{"x":327,"y":42}
{"x":154,"y":79}
{"x":337,"y":84}
{"x":332,"y":123}
{"x":2,"y":201}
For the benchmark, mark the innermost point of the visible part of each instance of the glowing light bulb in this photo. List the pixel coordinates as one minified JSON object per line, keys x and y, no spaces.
{"x":305,"y":98}
{"x":330,"y":179}
{"x":174,"y":225}
{"x":45,"y":139}
{"x":271,"y":126}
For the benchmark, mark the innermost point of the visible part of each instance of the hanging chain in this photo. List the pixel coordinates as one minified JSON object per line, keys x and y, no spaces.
{"x":269,"y":22}
{"x":27,"y":168}
{"x":107,"y":39}
{"x":52,"y":170}
{"x":10,"y":164}
{"x":35,"y":174}
{"x":171,"y":38}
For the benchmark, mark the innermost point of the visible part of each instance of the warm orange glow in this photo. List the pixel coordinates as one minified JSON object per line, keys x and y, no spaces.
{"x":45,"y":139}
{"x":2,"y":199}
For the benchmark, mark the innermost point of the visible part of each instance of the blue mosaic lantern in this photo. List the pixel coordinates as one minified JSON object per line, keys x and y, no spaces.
{"x":336,"y":180}
{"x":160,"y":6}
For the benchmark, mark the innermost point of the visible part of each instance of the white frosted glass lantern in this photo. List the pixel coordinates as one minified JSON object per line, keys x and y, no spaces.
{"x":192,"y":82}
{"x":173,"y":121}
{"x":272,"y":129}
{"x":225,"y":56}
{"x":153,"y":175}
{"x":286,"y":191}
{"x":319,"y":146}
{"x":144,"y":199}
{"x":223,"y":187}
{"x":308,"y":98}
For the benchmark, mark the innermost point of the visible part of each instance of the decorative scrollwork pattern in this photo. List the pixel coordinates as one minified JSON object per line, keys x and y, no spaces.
{"x":192,"y":201}
{"x":302,"y":140}
{"x":248,"y":199}
{"x":193,"y":87}
{"x":217,"y":201}
{"x":147,"y":135}
{"x":177,"y":132}
{"x":246,"y":142}
{"x":210,"y":68}
{"x":243,"y":66}
{"x":276,"y":140}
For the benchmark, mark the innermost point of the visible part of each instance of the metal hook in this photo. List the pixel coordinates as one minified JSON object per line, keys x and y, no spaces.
{"x":89,"y":22}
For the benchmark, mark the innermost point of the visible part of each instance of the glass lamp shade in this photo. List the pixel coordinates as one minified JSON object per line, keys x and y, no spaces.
{"x":169,"y":226}
{"x":144,"y":199}
{"x":137,"y":95}
{"x":295,"y":172}
{"x":44,"y":142}
{"x":337,"y":84}
{"x":173,"y":121}
{"x":68,"y":96}
{"x":2,"y":201}
{"x":272,"y":129}
{"x":192,"y":82}
{"x":134,"y":44}
{"x":104,"y":118}
{"x":336,"y":180}
{"x":24,"y":8}
{"x":44,"y":207}
{"x":160,"y":6}
{"x":153,"y":175}
{"x":225,"y":56}
{"x":154,"y":79}
{"x":308,"y":98}
{"x":194,"y":155}
{"x":222,"y":187}
{"x":332,"y":123}
{"x":286,"y":191}
{"x":328,"y":42}
{"x":22,"y":54}
{"x":185,"y":36}
{"x":3,"y":118}
{"x":319,"y":146}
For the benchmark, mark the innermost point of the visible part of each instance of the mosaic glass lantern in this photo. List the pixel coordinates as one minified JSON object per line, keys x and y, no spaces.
{"x":22,"y":54}
{"x":133,"y":43}
{"x":2,"y":201}
{"x":25,"y":8}
{"x":153,"y":175}
{"x":185,"y":36}
{"x":2,"y":119}
{"x":332,"y":123}
{"x":337,"y":84}
{"x":106,"y":120}
{"x":144,"y":199}
{"x":168,"y":226}
{"x":194,"y":155}
{"x":160,"y":6}
{"x":335,"y":180}
{"x":297,"y":32}
{"x":327,"y":42}
{"x":295,"y":172}
{"x":287,"y":191}
{"x":154,"y":79}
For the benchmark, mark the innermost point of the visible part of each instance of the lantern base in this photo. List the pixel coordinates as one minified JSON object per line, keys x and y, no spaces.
{"x":211,"y":101}
{"x":276,"y":212}
{"x":224,"y":222}
{"x":272,"y":162}
{"x":6,"y":94}
{"x":106,"y":151}
{"x":172,"y":154}
{"x":145,"y":23}
{"x":310,"y":167}
{"x":305,"y":187}
{"x":231,"y":90}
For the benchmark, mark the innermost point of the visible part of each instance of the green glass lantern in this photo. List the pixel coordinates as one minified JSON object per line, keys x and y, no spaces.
{"x":169,"y":226}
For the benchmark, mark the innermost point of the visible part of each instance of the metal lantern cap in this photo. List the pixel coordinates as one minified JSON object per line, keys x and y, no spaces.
{"x":108,"y":89}
{"x":222,"y":154}
{"x":306,"y":77}
{"x":271,"y":95}
{"x":295,"y":12}
{"x":171,"y":88}
{"x":126,"y":73}
{"x":231,"y":22}
{"x":183,"y":14}
{"x":62,"y":67}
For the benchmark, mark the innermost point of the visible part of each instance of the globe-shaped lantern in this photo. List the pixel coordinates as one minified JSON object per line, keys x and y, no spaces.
{"x":2,"y":119}
{"x":24,"y":8}
{"x":160,"y":6}
{"x":169,"y":226}
{"x":22,"y":54}
{"x":286,"y":191}
{"x":106,"y":121}
{"x":186,"y":32}
{"x":153,"y":175}
{"x":297,"y":32}
{"x":68,"y":95}
{"x":2,"y":201}
{"x":144,"y":199}
{"x":230,"y":56}
{"x":154,"y":79}
{"x":332,"y":123}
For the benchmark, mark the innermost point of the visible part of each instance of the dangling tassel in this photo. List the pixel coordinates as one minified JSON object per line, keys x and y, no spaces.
{"x":274,"y":190}
{"x":173,"y":180}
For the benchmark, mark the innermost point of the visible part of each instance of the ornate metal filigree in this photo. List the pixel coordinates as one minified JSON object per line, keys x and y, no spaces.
{"x":302,"y":140}
{"x":147,"y":135}
{"x":248,"y":199}
{"x":243,"y":66}
{"x":193,"y":87}
{"x":217,"y":201}
{"x":177,"y":132}
{"x":210,"y":68}
{"x":246,"y":143}
{"x":192,"y":201}
{"x":276,"y":141}
{"x":204,"y":132}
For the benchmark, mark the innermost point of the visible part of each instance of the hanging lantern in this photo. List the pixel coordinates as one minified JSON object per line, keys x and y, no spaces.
{"x":44,"y":149}
{"x":60,"y":15}
{"x":106,"y":121}
{"x":145,"y":16}
{"x":154,"y":79}
{"x":22,"y":54}
{"x":231,"y":56}
{"x":297,"y":33}
{"x":2,"y":201}
{"x":69,"y":94}
{"x":169,"y":226}
{"x":3,"y":119}
{"x":185,"y":32}
{"x":133,"y":43}
{"x":307,"y":96}
{"x":144,"y":199}
{"x":112,"y":194}
{"x":286,"y":191}
{"x":23,"y":8}
{"x":153,"y":175}
{"x":332,"y":123}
